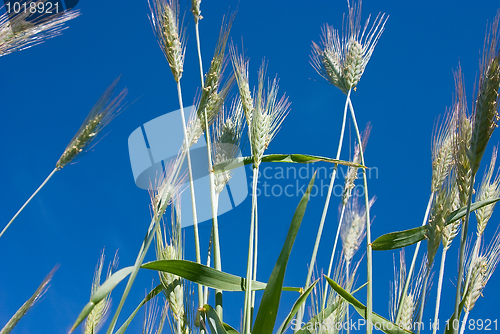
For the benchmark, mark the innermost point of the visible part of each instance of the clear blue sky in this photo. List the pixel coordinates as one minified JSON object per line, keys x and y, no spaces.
{"x":47,"y":91}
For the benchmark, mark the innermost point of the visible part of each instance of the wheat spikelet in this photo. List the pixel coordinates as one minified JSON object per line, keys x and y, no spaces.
{"x":101,"y":114}
{"x":240,"y":68}
{"x":352,"y":231}
{"x":412,"y":301}
{"x":17,"y":33}
{"x":486,"y":107}
{"x":165,"y":21}
{"x":352,"y":172}
{"x":442,"y":150}
{"x":195,"y":9}
{"x":98,"y":313}
{"x":342,"y":59}
{"x":462,"y":139}
{"x":227,"y":135}
{"x":211,"y":99}
{"x":489,"y":189}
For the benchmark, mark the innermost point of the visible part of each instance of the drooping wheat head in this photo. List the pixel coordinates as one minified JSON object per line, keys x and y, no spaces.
{"x":342,"y":59}
{"x":489,"y":188}
{"x":106,"y":108}
{"x":170,"y":35}
{"x":352,"y":172}
{"x":18,"y":32}
{"x":100,"y":310}
{"x":227,"y":135}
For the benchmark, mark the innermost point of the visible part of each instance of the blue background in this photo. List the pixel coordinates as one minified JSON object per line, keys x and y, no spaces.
{"x":47,"y":91}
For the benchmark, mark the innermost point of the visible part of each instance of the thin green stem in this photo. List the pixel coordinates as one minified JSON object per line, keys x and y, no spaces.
{"x":347,"y":278}
{"x":332,"y":256}
{"x":369,"y":287}
{"x":29,"y":200}
{"x":464,"y":322}
{"x":461,"y":260}
{"x":191,"y":187}
{"x":300,"y":314}
{"x":413,"y":262}
{"x":255,"y":249}
{"x":423,"y":296}
{"x":138,"y":262}
{"x":439,"y":289}
{"x":199,"y":52}
{"x":247,"y":314}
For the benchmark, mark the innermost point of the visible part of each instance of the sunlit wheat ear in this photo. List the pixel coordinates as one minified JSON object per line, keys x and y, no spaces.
{"x":352,"y":231}
{"x":195,"y":9}
{"x":226,"y":140}
{"x":442,"y":206}
{"x":17,"y":34}
{"x":462,"y":139}
{"x":267,"y":117}
{"x":106,"y":108}
{"x":490,"y":188}
{"x":342,"y":59}
{"x":21,"y":312}
{"x":165,"y":21}
{"x":482,"y":269}
{"x":173,"y":286}
{"x":442,"y":149}
{"x":352,"y":172}
{"x":411,"y":304}
{"x":168,"y":186}
{"x":485,"y":111}
{"x":210,"y":95}
{"x":240,"y":69}
{"x":100,"y":310}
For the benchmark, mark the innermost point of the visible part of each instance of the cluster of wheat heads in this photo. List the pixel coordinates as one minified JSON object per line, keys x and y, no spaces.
{"x":255,"y":116}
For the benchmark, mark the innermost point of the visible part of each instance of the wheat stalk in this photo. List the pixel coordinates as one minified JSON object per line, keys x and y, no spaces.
{"x":18,"y":31}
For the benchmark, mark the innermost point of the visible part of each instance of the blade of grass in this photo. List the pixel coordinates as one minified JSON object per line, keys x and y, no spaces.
{"x":296,"y":306}
{"x":101,"y":293}
{"x":148,"y":297}
{"x":379,"y":322}
{"x":266,"y":316}
{"x":290,"y":158}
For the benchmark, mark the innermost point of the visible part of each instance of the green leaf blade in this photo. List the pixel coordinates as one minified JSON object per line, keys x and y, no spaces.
{"x":268,"y":309}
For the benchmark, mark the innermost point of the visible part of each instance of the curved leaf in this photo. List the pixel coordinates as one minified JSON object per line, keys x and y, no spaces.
{"x":296,"y":306}
{"x":101,"y":293}
{"x":395,"y":240}
{"x":268,"y":309}
{"x":207,"y":276}
{"x":290,"y":158}
{"x":216,"y":327}
{"x":379,"y":322}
